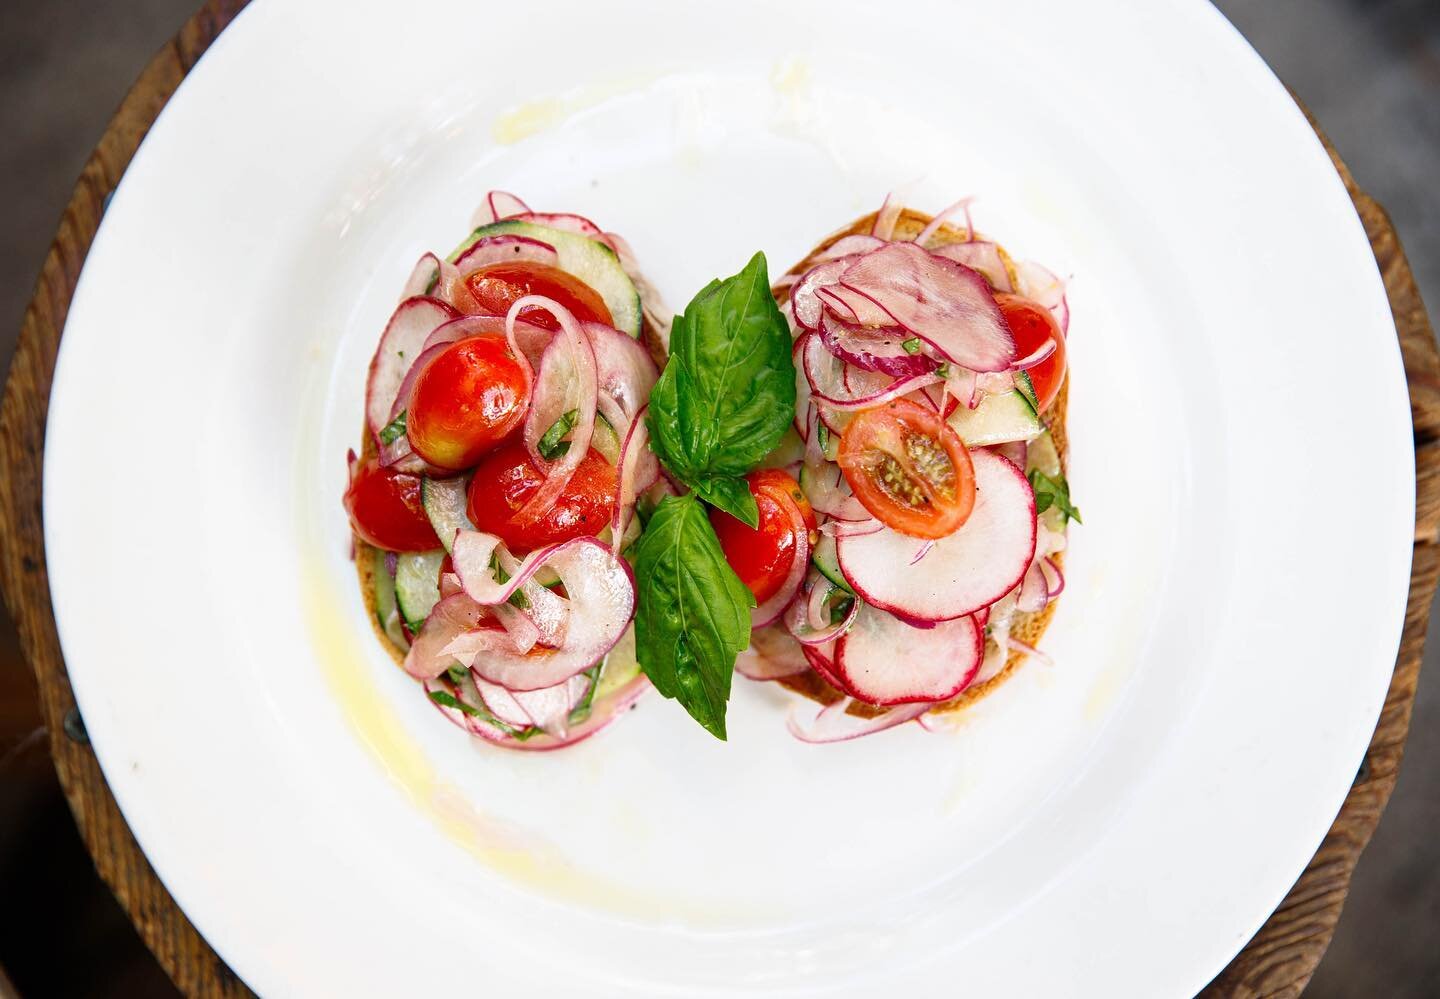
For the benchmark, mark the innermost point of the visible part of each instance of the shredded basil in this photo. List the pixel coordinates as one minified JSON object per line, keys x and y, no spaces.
{"x":913,"y":346}
{"x":394,"y":429}
{"x":552,"y":443}
{"x":1053,"y":490}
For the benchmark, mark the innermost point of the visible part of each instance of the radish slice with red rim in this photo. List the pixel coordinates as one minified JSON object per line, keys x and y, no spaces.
{"x":981,"y":562}
{"x":982,"y":256}
{"x":773,"y":655}
{"x":847,"y":246}
{"x":405,"y":334}
{"x":567,"y":381}
{"x":422,"y":279}
{"x":1034,"y":592}
{"x":803,"y":301}
{"x":1054,"y":578}
{"x":827,"y":375}
{"x":837,"y":725}
{"x":853,"y":306}
{"x":1037,"y":355}
{"x":600,"y":599}
{"x":943,"y":302}
{"x":873,"y":350}
{"x":884,"y":661}
{"x":505,"y":249}
{"x":448,"y":620}
{"x":496,"y":206}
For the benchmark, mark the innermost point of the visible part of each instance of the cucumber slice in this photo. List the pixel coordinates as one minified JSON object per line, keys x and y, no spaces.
{"x":1043,"y":455}
{"x":605,"y":440}
{"x":445,"y":503}
{"x":824,"y":557}
{"x":621,"y":665}
{"x":386,"y":610}
{"x":589,"y":260}
{"x":998,"y":419}
{"x":417,"y":585}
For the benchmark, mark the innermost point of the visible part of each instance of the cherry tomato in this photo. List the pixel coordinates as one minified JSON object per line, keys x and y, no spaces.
{"x":385,"y":510}
{"x":507,"y":478}
{"x":909,"y":468}
{"x":497,"y":287}
{"x":466,"y":401}
{"x":1032,"y":324}
{"x":762,"y":556}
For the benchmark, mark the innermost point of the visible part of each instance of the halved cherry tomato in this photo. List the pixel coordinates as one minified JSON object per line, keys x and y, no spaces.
{"x":384,"y":507}
{"x":466,"y":401}
{"x":1032,"y":325}
{"x":762,"y":556}
{"x":497,"y":287}
{"x":507,"y":478}
{"x":909,"y":468}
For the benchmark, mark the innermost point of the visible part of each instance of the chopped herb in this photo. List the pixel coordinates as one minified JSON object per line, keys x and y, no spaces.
{"x":944,"y":370}
{"x":1053,"y":490}
{"x":552,"y":443}
{"x":517,"y":599}
{"x":840,"y":608}
{"x":394,"y":429}
{"x":581,"y":711}
{"x":451,"y":701}
{"x":457,"y":672}
{"x":913,"y":346}
{"x":824,"y":433}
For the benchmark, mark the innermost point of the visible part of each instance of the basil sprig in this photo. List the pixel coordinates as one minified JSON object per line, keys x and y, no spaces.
{"x":693,"y":617}
{"x":728,"y":390}
{"x":722,"y":404}
{"x":1052,"y":490}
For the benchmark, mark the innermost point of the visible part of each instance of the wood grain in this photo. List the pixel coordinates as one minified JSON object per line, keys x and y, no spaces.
{"x":1278,"y":962}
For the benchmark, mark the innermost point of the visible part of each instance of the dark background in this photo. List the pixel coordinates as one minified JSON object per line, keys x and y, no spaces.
{"x":1370,"y":72}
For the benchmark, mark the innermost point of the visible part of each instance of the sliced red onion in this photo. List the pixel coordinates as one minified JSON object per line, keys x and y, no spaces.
{"x":808,"y":617}
{"x":409,"y":327}
{"x":449,"y":584}
{"x":826,"y":373}
{"x":1037,"y":355}
{"x":982,"y":256}
{"x":815,"y":611}
{"x":1054,"y":578}
{"x":943,"y":302}
{"x":1039,"y":284}
{"x":770,"y":611}
{"x":886,"y":217}
{"x":503,"y":250}
{"x":854,"y":306}
{"x":933,"y":226}
{"x":922,"y":551}
{"x":448,"y":620}
{"x":545,"y":611}
{"x":803,"y":301}
{"x":602,"y":713}
{"x":1030,"y":650}
{"x":1034,"y":592}
{"x":825,"y":485}
{"x":871,"y":349}
{"x":773,"y":654}
{"x":496,"y":206}
{"x":837,"y":528}
{"x":839,"y":726}
{"x":566,"y":221}
{"x":849,"y":245}
{"x":625,"y":374}
{"x":567,"y":380}
{"x":638,"y":470}
{"x":600,"y":596}
{"x":547,"y":709}
{"x":502,"y":703}
{"x":802,"y":391}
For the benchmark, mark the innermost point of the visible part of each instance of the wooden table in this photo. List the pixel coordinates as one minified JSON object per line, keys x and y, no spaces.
{"x":1277,"y":962}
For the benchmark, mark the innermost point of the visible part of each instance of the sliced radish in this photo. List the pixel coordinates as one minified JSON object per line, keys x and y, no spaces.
{"x":834,"y":724}
{"x":822,"y":660}
{"x":854,"y":306}
{"x":409,"y":327}
{"x":981,"y":256}
{"x":602,"y":713}
{"x":803,"y":300}
{"x":828,"y":375}
{"x":847,"y":246}
{"x":943,"y":302}
{"x":884,"y":661}
{"x":873,"y":350}
{"x":547,"y":709}
{"x":1054,"y":578}
{"x":599,"y":599}
{"x":496,"y":206}
{"x":981,"y":562}
{"x":772,"y":655}
{"x":423,"y":277}
{"x":503,"y":250}
{"x":1034,"y":591}
{"x":448,"y":620}
{"x":566,"y":221}
{"x":625,"y":374}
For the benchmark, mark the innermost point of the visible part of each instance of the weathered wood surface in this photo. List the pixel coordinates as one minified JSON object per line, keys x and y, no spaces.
{"x":1278,"y":962}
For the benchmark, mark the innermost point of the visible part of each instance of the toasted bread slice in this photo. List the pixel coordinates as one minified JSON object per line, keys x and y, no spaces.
{"x":1026,"y":627}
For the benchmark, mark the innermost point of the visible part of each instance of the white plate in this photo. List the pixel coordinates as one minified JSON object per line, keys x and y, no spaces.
{"x":1116,"y":825}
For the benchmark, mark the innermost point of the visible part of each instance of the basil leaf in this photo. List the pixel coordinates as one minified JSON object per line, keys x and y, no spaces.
{"x":728,"y":390}
{"x":693,"y":617}
{"x":1053,"y":490}
{"x":551,"y":444}
{"x":392,"y":430}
